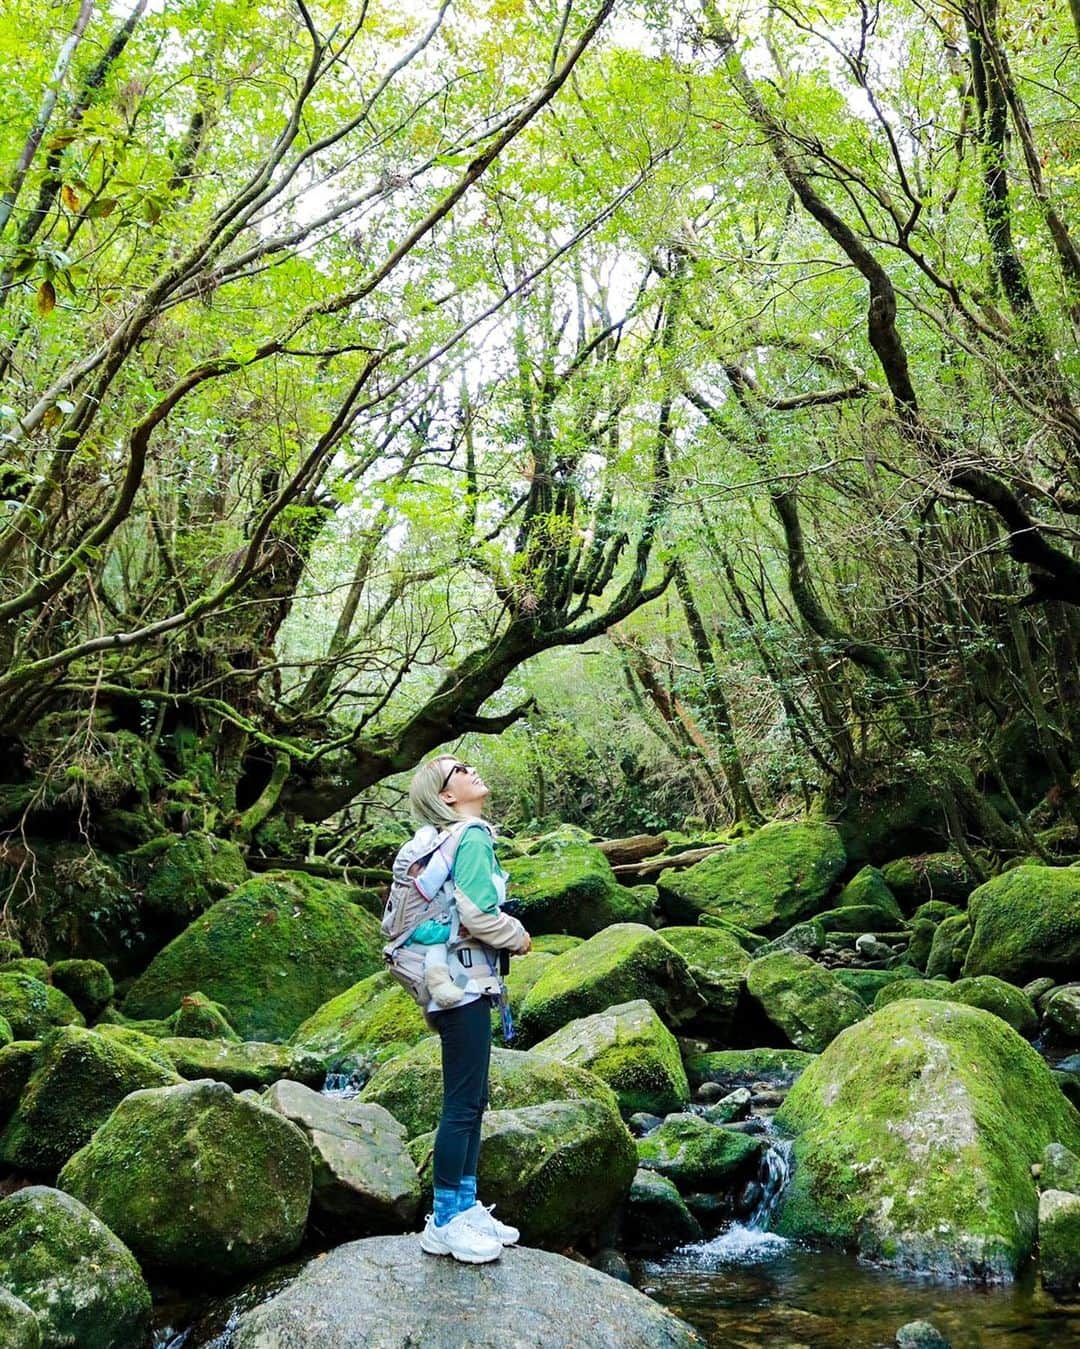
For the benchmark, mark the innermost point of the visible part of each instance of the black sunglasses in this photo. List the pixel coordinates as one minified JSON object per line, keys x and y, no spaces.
{"x":457,"y":768}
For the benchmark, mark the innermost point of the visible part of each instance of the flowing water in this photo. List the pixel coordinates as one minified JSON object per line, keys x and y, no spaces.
{"x":748,"y":1286}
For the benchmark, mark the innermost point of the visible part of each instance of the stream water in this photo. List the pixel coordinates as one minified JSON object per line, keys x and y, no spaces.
{"x":748,"y":1286}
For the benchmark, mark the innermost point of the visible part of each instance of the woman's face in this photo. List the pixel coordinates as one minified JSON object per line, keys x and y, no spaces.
{"x":463,"y":785}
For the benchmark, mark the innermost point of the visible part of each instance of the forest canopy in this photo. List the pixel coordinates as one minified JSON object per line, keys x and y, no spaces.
{"x":688,"y":392}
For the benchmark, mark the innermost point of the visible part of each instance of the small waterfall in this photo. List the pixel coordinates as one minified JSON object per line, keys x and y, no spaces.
{"x":344,"y":1085}
{"x":775,"y":1170}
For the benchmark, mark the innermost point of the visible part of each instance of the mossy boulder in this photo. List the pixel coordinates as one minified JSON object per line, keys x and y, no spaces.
{"x":180,"y":876}
{"x":749,"y":941}
{"x":556,"y":1170}
{"x":80,"y":1281}
{"x":197,"y":1180}
{"x":915,"y":1131}
{"x":1059,"y":1242}
{"x":1026,"y":922}
{"x":18,"y":1325}
{"x":363,"y":1027}
{"x":628,"y":1047}
{"x":7,"y":1035}
{"x":272,"y":952}
{"x":949,"y":947}
{"x":556,"y":840}
{"x":1062,"y":1012}
{"x":553,"y":943}
{"x":79,"y":1079}
{"x":410,"y":1086}
{"x":922,"y":940}
{"x":933,"y":875}
{"x":572,"y":889}
{"x":243,"y":1064}
{"x":17,"y":1062}
{"x":731,"y":1068}
{"x":625,"y":962}
{"x":718,"y":963}
{"x":379,"y":846}
{"x":87,"y":983}
{"x":866,"y":984}
{"x":200,"y":1018}
{"x":802,"y":999}
{"x":992,"y":995}
{"x":149,"y":1046}
{"x":869,"y":889}
{"x":31,"y":965}
{"x":766,"y":882}
{"x":364,"y":1180}
{"x":696,"y":1155}
{"x":804,"y":939}
{"x":1060,"y":1169}
{"x":655,"y":1217}
{"x":524,"y":972}
{"x":62,"y":1011}
{"x":935,"y":911}
{"x":24,"y":1005}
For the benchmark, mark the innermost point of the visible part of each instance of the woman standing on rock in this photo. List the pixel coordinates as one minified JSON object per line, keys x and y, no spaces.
{"x":446,"y":793}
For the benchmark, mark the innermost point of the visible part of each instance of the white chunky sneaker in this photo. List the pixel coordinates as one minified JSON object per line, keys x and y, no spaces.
{"x":483,"y":1220}
{"x":461,"y":1240}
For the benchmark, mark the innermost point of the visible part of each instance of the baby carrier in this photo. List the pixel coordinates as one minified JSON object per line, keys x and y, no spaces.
{"x":407,"y":906}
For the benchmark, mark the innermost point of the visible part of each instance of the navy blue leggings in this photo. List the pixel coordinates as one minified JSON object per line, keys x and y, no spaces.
{"x":465,"y":1033}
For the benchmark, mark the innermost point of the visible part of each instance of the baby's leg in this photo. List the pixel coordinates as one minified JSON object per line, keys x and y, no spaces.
{"x":437,"y":977}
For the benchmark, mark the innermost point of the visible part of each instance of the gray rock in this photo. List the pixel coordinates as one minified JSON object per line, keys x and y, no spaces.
{"x":1063,"y":1012}
{"x":362,"y":1175}
{"x":18,"y":1324}
{"x":920,"y":1335}
{"x":709,"y":1093}
{"x":385,"y":1291}
{"x":734,"y":1106}
{"x":870,"y":948}
{"x":1060,"y":1169}
{"x":1037,"y":987}
{"x":1059,"y":1242}
{"x":608,"y":1261}
{"x":643,"y":1123}
{"x":805,"y":939}
{"x":655,"y":1216}
{"x":78,"y":1279}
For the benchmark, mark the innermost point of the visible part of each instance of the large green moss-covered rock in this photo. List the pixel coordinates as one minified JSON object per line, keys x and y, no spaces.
{"x":364,"y":1180}
{"x":866,"y":984}
{"x":868,"y":889}
{"x":698,"y":1156}
{"x":182,"y":875}
{"x":915,"y":1131}
{"x":195,"y":1179}
{"x":949,"y":947}
{"x":24,"y":1005}
{"x":79,"y":1280}
{"x":572,"y":889}
{"x":802,"y":999}
{"x":87,"y":983}
{"x":774,"y":878}
{"x":249,"y":1063}
{"x":933,"y":875}
{"x":731,"y":1068}
{"x":992,"y":995}
{"x":624,"y":962}
{"x":556,"y":1170}
{"x":363,"y":1027}
{"x":410,"y":1086}
{"x":524,"y":972}
{"x":149,"y":1046}
{"x":718,"y":963}
{"x":17,"y":1062}
{"x":272,"y":952}
{"x":630,"y":1049}
{"x":1026,"y":922}
{"x":79,"y":1079}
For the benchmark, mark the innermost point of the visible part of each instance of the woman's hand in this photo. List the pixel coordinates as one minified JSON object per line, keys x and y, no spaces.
{"x":524,"y":950}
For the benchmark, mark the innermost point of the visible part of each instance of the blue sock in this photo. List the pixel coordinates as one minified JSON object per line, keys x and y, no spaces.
{"x":466,"y":1194}
{"x":446,"y":1205}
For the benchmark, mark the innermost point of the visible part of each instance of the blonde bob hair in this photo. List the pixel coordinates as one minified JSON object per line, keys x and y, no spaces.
{"x":428,"y":807}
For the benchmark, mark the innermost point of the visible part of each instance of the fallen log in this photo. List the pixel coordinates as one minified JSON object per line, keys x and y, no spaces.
{"x":626,"y":851}
{"x":652,"y":866}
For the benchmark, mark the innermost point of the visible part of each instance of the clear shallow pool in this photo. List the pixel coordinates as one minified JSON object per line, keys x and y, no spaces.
{"x":752,"y":1288}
